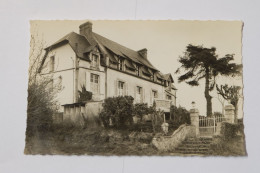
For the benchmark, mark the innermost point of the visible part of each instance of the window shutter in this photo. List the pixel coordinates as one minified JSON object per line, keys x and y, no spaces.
{"x":116,"y":85}
{"x":151,"y":97}
{"x":98,"y":84}
{"x":126,"y":89}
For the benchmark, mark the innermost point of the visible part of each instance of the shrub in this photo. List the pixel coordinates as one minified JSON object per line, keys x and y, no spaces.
{"x":180,"y":115}
{"x":84,"y":95}
{"x":119,"y":110}
{"x":41,"y":107}
{"x":141,"y":109}
{"x":218,"y":114}
{"x":230,"y":131}
{"x":156,"y":117}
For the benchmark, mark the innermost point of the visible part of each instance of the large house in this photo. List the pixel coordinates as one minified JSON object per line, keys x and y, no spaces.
{"x":105,"y":68}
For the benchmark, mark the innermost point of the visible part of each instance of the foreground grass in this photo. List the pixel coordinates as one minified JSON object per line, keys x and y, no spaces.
{"x":232,"y":147}
{"x":75,"y":141}
{"x":107,"y":142}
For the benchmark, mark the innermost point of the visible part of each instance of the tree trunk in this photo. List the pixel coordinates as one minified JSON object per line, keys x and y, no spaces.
{"x":235,"y":116}
{"x":207,"y":96}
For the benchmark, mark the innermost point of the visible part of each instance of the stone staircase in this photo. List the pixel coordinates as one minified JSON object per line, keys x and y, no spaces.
{"x":194,"y":146}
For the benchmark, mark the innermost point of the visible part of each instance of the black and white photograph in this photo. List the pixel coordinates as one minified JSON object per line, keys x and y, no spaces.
{"x":146,"y":88}
{"x":128,"y":86}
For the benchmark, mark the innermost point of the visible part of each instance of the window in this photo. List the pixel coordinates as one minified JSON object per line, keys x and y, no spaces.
{"x":137,"y":70}
{"x":52,"y":61}
{"x":168,"y":97}
{"x":94,"y":80}
{"x":120,"y":64}
{"x":120,"y":88}
{"x":139,"y":93}
{"x":154,"y":95}
{"x":94,"y":60}
{"x":152,"y":77}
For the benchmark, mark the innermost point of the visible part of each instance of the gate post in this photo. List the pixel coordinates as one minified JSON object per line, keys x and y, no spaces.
{"x":194,"y":119}
{"x":229,"y":113}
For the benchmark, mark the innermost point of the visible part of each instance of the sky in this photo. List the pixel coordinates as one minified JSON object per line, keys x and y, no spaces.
{"x":165,"y":41}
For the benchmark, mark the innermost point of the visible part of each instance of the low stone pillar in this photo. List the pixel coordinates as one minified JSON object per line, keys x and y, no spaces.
{"x":165,"y":127}
{"x":194,"y":119}
{"x":230,"y":113}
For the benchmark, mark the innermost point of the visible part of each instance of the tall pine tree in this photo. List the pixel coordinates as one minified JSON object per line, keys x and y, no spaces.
{"x":203,"y":63}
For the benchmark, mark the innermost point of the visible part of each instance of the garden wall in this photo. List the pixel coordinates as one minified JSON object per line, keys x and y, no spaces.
{"x":169,"y":143}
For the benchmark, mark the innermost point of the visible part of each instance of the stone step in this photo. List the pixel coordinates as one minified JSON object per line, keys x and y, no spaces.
{"x":195,"y":146}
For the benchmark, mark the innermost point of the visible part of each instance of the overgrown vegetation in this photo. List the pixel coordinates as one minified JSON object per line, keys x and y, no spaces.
{"x":84,"y":95}
{"x":141,"y":109}
{"x":42,"y":91}
{"x":231,"y":142}
{"x":232,"y":94}
{"x":180,"y":115}
{"x":117,"y":111}
{"x":230,"y":131}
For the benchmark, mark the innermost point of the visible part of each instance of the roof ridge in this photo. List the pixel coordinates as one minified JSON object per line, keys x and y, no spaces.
{"x":124,"y":51}
{"x":115,"y":42}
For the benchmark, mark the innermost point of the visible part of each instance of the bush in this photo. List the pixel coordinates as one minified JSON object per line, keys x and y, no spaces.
{"x":118,"y":110}
{"x":141,"y":109}
{"x":230,"y":131}
{"x":40,"y":109}
{"x":84,"y":95}
{"x":180,"y":115}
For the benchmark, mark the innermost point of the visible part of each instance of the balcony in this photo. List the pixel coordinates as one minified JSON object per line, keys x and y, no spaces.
{"x":163,"y":105}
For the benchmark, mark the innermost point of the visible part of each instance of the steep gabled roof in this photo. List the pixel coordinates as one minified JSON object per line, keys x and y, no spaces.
{"x":123,"y":51}
{"x":78,"y":43}
{"x":167,"y":76}
{"x":81,"y":45}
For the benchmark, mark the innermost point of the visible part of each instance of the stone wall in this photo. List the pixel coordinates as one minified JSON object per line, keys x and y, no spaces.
{"x":169,"y":143}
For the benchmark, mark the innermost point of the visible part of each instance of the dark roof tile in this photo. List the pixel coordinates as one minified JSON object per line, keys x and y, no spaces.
{"x":123,"y":51}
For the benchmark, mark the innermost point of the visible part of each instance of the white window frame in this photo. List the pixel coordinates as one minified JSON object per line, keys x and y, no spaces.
{"x":137,"y":70}
{"x":94,"y":83}
{"x":94,"y":63}
{"x":120,"y":64}
{"x":120,"y":88}
{"x":154,"y":95}
{"x":139,"y":94}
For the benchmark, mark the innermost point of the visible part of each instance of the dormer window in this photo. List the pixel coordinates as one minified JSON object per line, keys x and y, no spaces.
{"x":152,"y":77}
{"x":94,"y":60}
{"x":120,"y":64}
{"x":137,"y":70}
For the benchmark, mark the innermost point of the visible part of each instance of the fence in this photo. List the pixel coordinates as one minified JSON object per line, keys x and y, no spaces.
{"x":208,"y":125}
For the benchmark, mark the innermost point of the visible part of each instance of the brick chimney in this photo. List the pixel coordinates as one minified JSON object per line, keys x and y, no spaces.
{"x":143,"y":53}
{"x":85,"y":29}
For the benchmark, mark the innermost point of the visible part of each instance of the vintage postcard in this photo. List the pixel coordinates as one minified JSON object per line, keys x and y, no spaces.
{"x":135,"y":88}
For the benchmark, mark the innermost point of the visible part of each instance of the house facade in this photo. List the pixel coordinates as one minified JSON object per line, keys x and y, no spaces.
{"x":105,"y":68}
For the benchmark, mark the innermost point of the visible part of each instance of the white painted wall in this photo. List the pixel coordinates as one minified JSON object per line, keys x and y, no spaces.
{"x":63,"y":67}
{"x":64,"y":59}
{"x":131,"y":83}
